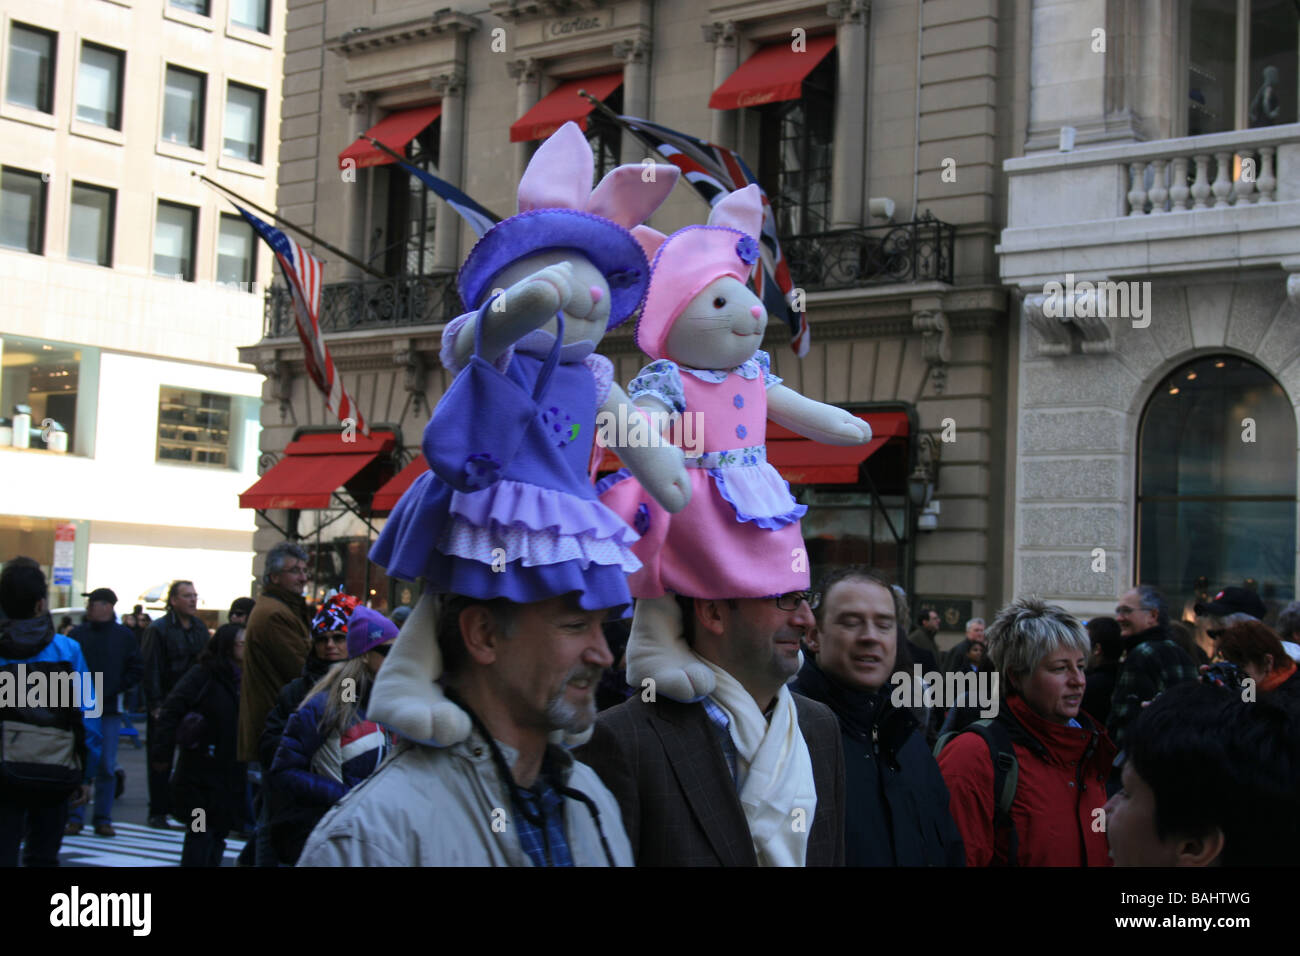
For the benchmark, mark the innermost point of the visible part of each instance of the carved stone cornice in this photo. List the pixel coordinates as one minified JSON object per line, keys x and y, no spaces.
{"x":371,"y":39}
{"x":1059,"y":322}
{"x":935,"y":346}
{"x":513,"y":11}
{"x":524,"y":71}
{"x":631,"y":51}
{"x":449,"y":84}
{"x":722,"y":33}
{"x":850,"y":11}
{"x":354,"y":102}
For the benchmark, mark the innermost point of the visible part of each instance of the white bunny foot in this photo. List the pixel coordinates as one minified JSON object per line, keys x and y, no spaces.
{"x":657,"y":651}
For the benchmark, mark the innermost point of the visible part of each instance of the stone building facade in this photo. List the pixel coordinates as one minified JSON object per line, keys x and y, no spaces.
{"x":902,"y":131}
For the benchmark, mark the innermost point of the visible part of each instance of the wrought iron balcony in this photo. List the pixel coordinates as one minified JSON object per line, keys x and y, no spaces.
{"x":850,"y":258}
{"x":370,"y":303}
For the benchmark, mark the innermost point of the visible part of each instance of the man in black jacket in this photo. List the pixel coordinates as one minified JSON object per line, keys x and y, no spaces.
{"x":110,"y":649}
{"x":897,"y":803}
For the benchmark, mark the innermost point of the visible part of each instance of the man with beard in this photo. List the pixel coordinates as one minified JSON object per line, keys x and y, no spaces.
{"x":507,"y":795}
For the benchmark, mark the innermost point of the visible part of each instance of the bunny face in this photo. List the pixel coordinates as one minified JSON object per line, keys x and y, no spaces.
{"x":721,"y":327}
{"x":587,"y":313}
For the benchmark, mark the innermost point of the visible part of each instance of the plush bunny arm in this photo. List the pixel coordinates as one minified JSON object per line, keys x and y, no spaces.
{"x":405,"y":697}
{"x":815,"y":420}
{"x":658,"y":467}
{"x":527,"y":305}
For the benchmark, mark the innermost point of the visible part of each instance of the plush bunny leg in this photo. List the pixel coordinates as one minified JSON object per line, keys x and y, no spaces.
{"x":815,"y":420}
{"x":656,"y":463}
{"x":405,"y":697}
{"x":657,"y":650}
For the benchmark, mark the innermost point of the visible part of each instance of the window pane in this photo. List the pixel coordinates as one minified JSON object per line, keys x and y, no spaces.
{"x":44,"y":376}
{"x":235,"y":250}
{"x":31,"y":68}
{"x":90,"y":226}
{"x":1274,"y":35}
{"x":183,"y":108}
{"x":243,"y":137}
{"x":99,"y":86}
{"x":22,"y":210}
{"x":252,"y":14}
{"x":1211,"y":71}
{"x":173,"y":241}
{"x":194,"y":427}
{"x":193,"y":6}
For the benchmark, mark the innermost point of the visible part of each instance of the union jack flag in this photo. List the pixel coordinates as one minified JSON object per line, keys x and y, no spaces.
{"x":715,"y":171}
{"x":302,"y":271}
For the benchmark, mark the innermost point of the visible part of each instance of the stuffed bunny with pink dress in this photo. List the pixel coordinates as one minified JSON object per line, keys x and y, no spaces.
{"x":739,"y":536}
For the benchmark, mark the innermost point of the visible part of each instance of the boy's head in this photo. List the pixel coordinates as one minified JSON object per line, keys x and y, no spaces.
{"x":23,"y":590}
{"x":1210,"y":780}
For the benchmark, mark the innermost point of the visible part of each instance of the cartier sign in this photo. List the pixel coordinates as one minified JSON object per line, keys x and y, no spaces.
{"x":572,"y":25}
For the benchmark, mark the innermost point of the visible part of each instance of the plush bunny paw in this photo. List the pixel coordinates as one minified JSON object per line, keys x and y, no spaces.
{"x":685,"y":684}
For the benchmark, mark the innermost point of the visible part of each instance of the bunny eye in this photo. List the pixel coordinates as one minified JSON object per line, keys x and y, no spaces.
{"x":719,"y":302}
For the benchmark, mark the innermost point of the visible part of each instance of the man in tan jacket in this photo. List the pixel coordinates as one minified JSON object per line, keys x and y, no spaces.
{"x":277,"y":641}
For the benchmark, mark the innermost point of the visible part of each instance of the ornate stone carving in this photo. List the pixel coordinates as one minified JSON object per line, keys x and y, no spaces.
{"x":936,"y":346}
{"x":523,"y":71}
{"x":449,"y":84}
{"x":849,"y":11}
{"x":720,"y":34}
{"x":354,"y":102}
{"x":1094,"y":329}
{"x":415,"y":371}
{"x":1054,"y":333}
{"x":633,"y":51}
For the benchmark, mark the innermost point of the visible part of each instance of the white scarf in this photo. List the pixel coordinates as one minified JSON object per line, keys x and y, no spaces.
{"x":779,"y":794}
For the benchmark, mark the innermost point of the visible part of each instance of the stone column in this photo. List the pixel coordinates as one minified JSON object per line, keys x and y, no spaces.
{"x":451,"y":149}
{"x":635,"y":55}
{"x":850,"y":149}
{"x":526,"y":76}
{"x":355,"y":191}
{"x":725,"y":61}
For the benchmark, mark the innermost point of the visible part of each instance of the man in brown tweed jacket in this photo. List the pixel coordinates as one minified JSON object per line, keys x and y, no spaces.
{"x":678,"y":774}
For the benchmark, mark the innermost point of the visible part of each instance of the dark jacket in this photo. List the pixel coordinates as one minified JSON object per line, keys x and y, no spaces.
{"x":169,"y":650}
{"x":111,"y":649}
{"x":665,"y":767}
{"x":1152,"y":663}
{"x":1286,"y":694}
{"x":289,"y":699}
{"x":896,"y":811}
{"x":276,"y":644}
{"x":924,"y":640}
{"x":1099,"y":690}
{"x":210,"y":776}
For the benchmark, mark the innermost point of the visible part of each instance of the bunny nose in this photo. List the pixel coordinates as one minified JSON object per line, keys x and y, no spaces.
{"x":757,"y":311}
{"x":596,"y":295}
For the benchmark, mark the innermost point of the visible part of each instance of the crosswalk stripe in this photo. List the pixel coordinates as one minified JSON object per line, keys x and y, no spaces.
{"x":134,"y":845}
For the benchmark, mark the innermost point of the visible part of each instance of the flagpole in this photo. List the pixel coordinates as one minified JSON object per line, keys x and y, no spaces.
{"x":285,"y":222}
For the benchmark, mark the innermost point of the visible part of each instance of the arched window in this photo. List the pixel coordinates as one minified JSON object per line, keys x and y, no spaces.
{"x":1217,"y":483}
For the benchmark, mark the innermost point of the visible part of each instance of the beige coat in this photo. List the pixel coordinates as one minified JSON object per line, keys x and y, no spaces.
{"x":447,"y":807}
{"x":277,"y":640}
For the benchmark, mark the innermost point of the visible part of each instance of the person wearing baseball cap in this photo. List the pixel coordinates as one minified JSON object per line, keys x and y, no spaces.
{"x":111,"y":649}
{"x":329,"y":746}
{"x":1236,"y":606}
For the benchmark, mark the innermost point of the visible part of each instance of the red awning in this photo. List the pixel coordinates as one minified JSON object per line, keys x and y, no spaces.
{"x":313,"y":467}
{"x":775,"y":72}
{"x":802,"y":461}
{"x":386,"y":497}
{"x":395,"y":130}
{"x":563,"y":104}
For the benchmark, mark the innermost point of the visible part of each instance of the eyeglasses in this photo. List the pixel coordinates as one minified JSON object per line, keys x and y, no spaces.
{"x":382,"y":650}
{"x":1124,"y":609}
{"x":332,"y":636}
{"x":792,"y":600}
{"x":1216,"y":633}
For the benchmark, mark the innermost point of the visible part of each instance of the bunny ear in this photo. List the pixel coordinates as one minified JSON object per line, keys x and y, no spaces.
{"x":559,"y":174}
{"x":627,"y":197}
{"x":649,"y":239}
{"x":741,"y":210}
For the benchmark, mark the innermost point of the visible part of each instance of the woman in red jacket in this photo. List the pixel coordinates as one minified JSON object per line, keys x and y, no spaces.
{"x":1064,"y":756}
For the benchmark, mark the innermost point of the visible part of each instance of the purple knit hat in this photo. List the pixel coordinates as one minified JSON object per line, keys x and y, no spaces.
{"x":558,"y":209}
{"x":367,"y":629}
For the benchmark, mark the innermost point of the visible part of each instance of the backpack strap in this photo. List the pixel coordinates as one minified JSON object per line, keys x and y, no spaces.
{"x":1006,"y":775}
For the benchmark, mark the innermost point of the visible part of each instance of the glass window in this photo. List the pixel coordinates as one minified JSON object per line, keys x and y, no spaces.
{"x":1217,"y":482}
{"x":190,"y":6}
{"x":1265,"y":47}
{"x":252,"y":14}
{"x":31,"y":68}
{"x":605,"y":136}
{"x":44,"y":376}
{"x":243,"y":136}
{"x":194,"y":427}
{"x":1274,"y":28}
{"x":413,"y":208}
{"x":173,"y":241}
{"x":99,"y":86}
{"x":22,"y":210}
{"x":795,"y":154}
{"x":236,"y":259}
{"x":90,"y":224}
{"x":183,"y":107}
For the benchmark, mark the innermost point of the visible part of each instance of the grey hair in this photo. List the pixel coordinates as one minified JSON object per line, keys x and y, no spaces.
{"x":1153,"y":600}
{"x":973,"y":621}
{"x":1237,"y":617}
{"x":1288,"y":622}
{"x":1026,"y":631}
{"x":279,"y":556}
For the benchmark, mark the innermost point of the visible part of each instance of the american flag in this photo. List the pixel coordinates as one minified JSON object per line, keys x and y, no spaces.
{"x":715,"y":171}
{"x":302,"y":271}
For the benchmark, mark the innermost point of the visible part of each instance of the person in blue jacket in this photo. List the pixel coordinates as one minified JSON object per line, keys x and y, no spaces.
{"x":52,"y":743}
{"x":329,"y":746}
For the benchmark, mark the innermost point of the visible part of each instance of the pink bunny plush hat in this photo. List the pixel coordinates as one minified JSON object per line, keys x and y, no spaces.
{"x":558,"y":209}
{"x":685,"y":262}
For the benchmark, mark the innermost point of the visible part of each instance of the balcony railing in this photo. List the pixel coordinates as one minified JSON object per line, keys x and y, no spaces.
{"x":371,"y":303}
{"x":851,"y":258}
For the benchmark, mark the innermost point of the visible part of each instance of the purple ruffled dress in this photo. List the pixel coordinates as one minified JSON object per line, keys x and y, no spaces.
{"x":539,"y":531}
